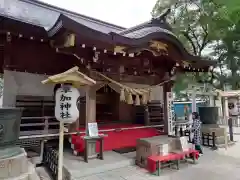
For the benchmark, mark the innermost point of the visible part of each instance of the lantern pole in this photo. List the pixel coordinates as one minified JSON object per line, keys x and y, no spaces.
{"x":60,"y":150}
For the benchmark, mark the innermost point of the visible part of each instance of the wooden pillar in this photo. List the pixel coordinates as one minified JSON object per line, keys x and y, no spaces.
{"x":9,"y":96}
{"x":7,"y":50}
{"x":90,"y":118}
{"x":90,"y":105}
{"x":194,"y":104}
{"x":226,"y":110}
{"x":211,"y":101}
{"x":146,"y":116}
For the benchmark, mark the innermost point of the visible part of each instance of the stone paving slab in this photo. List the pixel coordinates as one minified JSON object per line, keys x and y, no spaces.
{"x":211,"y":166}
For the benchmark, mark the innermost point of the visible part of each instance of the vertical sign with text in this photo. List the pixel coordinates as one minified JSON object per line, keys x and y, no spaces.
{"x":170,"y":113}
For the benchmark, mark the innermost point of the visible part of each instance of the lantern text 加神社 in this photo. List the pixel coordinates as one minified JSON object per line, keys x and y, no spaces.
{"x":66,"y":109}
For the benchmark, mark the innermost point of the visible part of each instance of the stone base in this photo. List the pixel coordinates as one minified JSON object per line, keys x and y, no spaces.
{"x":92,"y":149}
{"x":220,"y":132}
{"x":15,"y":166}
{"x":221,"y":140}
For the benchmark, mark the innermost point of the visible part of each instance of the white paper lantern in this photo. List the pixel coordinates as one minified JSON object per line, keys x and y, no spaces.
{"x":66,"y":104}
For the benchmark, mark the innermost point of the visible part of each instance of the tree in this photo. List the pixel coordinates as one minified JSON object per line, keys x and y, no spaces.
{"x":208,"y":28}
{"x":189,"y":20}
{"x":226,"y":27}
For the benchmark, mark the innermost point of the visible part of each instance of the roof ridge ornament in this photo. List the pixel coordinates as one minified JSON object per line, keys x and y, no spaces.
{"x":162,"y":17}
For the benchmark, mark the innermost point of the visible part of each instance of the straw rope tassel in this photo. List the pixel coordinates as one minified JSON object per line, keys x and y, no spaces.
{"x":144,"y":98}
{"x":137,"y":100}
{"x":129,"y":98}
{"x":122,"y":95}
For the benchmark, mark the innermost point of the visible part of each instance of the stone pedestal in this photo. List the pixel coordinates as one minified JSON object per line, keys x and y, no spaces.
{"x":221,"y":133}
{"x":14,"y":165}
{"x":92,"y":149}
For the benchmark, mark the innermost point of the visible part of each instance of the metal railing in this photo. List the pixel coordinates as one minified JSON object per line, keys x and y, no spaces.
{"x":50,"y":160}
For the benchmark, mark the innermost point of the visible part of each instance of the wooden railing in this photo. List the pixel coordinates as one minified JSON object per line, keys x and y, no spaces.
{"x":45,"y":124}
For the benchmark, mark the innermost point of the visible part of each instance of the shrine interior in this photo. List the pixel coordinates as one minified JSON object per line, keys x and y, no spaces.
{"x":107,"y":105}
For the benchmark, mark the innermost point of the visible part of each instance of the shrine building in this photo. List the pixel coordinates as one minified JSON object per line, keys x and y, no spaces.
{"x":134,"y":67}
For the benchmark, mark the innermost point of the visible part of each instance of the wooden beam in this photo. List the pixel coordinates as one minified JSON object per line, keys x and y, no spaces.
{"x":7,"y":50}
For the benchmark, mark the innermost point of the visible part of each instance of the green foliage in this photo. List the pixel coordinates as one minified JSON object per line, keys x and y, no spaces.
{"x":189,"y":20}
{"x":226,"y":25}
{"x":204,"y":25}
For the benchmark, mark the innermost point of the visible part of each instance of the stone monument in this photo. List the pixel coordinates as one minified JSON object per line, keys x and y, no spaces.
{"x":14,"y":164}
{"x":209,"y":117}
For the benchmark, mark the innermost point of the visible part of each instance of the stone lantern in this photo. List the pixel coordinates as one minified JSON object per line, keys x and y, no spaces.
{"x":13,"y":161}
{"x":10,"y":119}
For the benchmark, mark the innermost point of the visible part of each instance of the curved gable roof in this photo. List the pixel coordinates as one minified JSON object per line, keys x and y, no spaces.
{"x":32,"y":12}
{"x":36,"y":13}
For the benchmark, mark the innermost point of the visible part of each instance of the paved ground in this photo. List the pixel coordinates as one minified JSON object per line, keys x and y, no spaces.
{"x":214,"y":165}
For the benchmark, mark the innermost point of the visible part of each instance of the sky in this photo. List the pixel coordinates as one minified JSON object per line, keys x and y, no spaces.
{"x":125,"y":13}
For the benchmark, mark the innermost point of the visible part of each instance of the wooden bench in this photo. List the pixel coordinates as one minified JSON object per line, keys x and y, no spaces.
{"x":155,"y":162}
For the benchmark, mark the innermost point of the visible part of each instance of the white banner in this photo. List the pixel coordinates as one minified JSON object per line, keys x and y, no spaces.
{"x":170,"y":113}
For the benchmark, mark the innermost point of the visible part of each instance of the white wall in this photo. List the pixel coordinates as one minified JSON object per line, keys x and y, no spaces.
{"x":20,"y":83}
{"x":157,"y":93}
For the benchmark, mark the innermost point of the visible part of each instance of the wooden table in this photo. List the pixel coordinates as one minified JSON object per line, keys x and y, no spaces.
{"x":87,"y":140}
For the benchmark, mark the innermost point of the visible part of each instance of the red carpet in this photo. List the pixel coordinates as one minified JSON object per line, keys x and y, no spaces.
{"x":116,"y":140}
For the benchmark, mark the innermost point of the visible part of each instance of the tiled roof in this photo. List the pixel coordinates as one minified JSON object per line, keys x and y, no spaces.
{"x":146,"y":31}
{"x":41,"y":14}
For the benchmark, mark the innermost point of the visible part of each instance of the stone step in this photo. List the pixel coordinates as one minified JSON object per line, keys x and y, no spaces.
{"x":107,"y":164}
{"x":43,"y":173}
{"x":13,"y":166}
{"x":31,"y":174}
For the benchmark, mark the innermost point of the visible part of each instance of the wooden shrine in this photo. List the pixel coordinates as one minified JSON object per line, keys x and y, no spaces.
{"x":138,"y":63}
